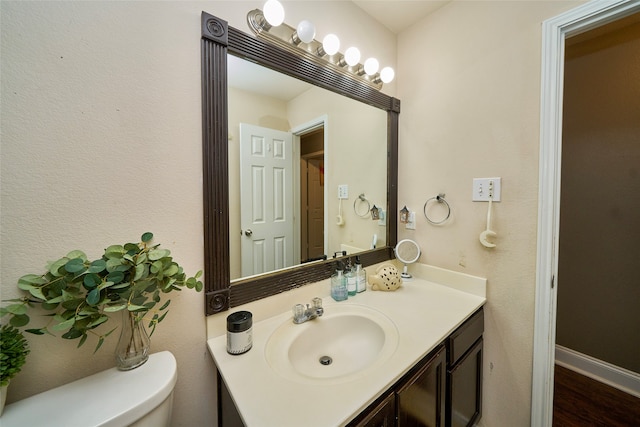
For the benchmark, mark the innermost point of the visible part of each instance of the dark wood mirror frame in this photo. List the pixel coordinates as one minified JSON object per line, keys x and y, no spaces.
{"x":219,"y":39}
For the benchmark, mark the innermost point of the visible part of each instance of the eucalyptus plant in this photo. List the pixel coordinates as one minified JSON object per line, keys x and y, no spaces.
{"x":79,"y":295}
{"x":13,"y":353}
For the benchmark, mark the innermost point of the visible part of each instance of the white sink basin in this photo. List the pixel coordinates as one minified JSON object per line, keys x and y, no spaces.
{"x":345,"y":344}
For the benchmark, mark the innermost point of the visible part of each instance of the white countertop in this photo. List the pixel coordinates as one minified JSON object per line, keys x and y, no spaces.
{"x":424,"y":312}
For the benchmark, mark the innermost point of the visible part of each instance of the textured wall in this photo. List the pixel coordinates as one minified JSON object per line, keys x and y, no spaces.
{"x":469,"y":81}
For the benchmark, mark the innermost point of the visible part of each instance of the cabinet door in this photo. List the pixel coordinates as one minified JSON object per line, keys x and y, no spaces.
{"x":465,"y":389}
{"x":421,"y":400}
{"x":382,"y":415}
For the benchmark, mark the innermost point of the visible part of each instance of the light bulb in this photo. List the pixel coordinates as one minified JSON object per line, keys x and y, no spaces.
{"x":331,"y":44}
{"x":273,"y":12}
{"x":306,"y":31}
{"x":387,"y":74}
{"x":352,"y":56}
{"x":371,"y":66}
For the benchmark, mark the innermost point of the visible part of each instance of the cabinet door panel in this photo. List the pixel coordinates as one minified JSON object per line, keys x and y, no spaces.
{"x":421,"y":398}
{"x":465,"y":389}
{"x":383,"y":415}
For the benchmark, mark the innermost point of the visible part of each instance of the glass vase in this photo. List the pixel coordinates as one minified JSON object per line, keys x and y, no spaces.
{"x":133,"y":346}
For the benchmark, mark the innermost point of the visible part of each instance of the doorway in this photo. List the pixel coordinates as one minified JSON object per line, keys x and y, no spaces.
{"x":555,"y":32}
{"x":312,"y":195}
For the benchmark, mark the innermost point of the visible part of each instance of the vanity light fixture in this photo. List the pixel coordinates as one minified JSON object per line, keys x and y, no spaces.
{"x":269,"y":25}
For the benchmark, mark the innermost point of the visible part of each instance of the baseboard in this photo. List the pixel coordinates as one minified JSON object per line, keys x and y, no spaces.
{"x":606,"y":373}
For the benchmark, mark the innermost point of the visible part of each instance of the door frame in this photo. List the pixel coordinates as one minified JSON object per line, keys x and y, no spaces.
{"x":554,"y":32}
{"x":297,"y":131}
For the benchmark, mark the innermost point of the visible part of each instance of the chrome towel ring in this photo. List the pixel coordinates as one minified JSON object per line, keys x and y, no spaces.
{"x":362,"y":201}
{"x":440,"y":199}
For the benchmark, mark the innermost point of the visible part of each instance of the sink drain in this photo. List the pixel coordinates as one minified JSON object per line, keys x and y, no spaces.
{"x":325,"y":360}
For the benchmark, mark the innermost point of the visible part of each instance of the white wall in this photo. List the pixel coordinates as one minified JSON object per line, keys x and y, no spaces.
{"x":469,"y":81}
{"x":101,"y":141}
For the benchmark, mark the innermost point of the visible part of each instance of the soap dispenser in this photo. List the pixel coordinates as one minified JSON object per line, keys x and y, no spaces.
{"x":361,"y":276}
{"x":350,"y":275}
{"x":339,"y":284}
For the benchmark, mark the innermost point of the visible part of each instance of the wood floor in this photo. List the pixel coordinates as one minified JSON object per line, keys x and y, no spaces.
{"x":582,"y":402}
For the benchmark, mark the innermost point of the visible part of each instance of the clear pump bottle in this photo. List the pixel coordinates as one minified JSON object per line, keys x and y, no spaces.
{"x":361,"y":276}
{"x":339,"y":284}
{"x":350,"y":274}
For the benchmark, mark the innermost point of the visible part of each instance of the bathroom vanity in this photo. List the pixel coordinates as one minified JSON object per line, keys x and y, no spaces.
{"x":418,"y":360}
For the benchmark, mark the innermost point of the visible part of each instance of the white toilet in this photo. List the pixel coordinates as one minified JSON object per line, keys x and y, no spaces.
{"x":141,"y":397}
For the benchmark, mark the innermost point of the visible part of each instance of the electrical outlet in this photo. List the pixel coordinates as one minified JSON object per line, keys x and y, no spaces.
{"x":411,"y":221}
{"x":343,"y":191}
{"x":482,"y":187}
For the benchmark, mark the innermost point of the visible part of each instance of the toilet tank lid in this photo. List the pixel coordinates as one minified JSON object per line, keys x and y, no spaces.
{"x":108,"y":398}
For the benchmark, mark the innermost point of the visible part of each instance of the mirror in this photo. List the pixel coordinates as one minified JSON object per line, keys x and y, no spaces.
{"x":288,"y":200}
{"x":219,"y":40}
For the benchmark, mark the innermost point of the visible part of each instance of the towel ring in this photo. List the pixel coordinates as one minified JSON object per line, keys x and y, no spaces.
{"x":362,"y":199}
{"x":440,"y":199}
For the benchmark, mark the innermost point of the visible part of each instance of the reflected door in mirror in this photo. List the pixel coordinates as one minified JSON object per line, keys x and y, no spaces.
{"x":265,"y":199}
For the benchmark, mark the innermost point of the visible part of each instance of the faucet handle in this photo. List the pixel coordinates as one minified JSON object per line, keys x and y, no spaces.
{"x":317,"y":306}
{"x":298,"y":313}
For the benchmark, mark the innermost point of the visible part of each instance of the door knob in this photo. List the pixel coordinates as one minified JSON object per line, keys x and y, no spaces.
{"x":248,"y":232}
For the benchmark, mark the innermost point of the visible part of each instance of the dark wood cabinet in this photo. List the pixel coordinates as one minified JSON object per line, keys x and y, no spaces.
{"x":464,"y":373}
{"x":420,"y":399}
{"x":380,"y":414}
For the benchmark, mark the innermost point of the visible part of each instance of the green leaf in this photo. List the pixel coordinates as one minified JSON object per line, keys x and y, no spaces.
{"x":30,"y":280}
{"x":77,"y":254}
{"x":90,"y":281}
{"x":115,"y":277}
{"x":147,"y":237}
{"x":64,"y":325}
{"x":114,"y":252}
{"x":97,"y":322}
{"x":82,"y":340}
{"x":37,"y":292}
{"x":161,"y":318}
{"x":156,"y":267}
{"x":17,"y":309}
{"x":142,"y":258}
{"x":156,"y":254}
{"x":100,"y":342}
{"x":114,"y":308}
{"x":19,"y":320}
{"x":133,"y":307}
{"x":97,"y":266}
{"x":165,"y":305}
{"x":35,"y":331}
{"x":93,"y":297}
{"x":139,"y":272}
{"x":173,"y":269}
{"x":56,"y":266}
{"x":113,"y":264}
{"x":72,"y":334}
{"x":74,"y":265}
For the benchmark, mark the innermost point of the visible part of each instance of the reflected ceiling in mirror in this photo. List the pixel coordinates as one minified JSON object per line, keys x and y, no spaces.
{"x":286,"y":213}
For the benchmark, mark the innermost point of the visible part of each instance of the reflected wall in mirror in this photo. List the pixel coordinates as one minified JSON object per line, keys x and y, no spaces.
{"x":291,"y":144}
{"x":219,"y":40}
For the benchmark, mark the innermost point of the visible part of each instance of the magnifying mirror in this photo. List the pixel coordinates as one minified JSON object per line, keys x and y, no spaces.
{"x":407,"y":251}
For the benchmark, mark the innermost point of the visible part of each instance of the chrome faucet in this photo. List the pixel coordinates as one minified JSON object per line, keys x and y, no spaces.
{"x":301,"y":313}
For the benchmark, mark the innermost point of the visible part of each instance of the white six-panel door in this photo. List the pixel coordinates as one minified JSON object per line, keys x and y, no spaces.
{"x":266,"y":199}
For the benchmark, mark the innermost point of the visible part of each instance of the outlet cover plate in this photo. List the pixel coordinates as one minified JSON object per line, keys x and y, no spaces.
{"x":482,"y":187}
{"x":343,"y":191}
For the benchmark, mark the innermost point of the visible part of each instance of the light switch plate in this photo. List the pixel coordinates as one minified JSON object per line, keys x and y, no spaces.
{"x":483,"y":186}
{"x":343,"y":191}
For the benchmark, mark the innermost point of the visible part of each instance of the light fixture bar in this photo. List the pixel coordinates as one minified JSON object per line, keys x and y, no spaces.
{"x":282,"y":36}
